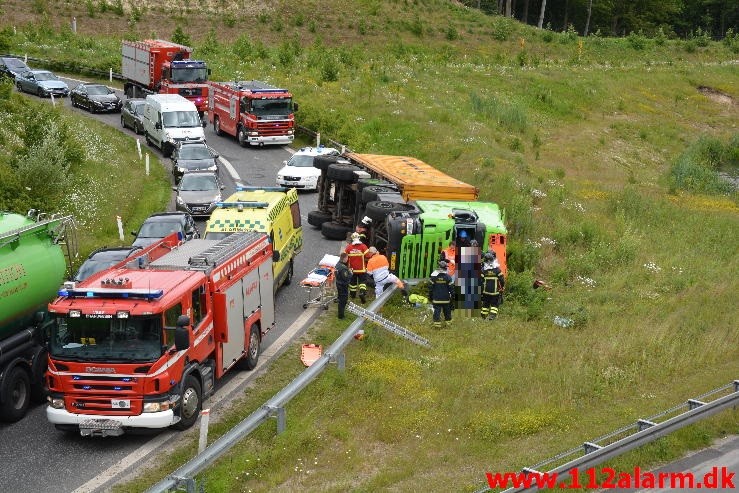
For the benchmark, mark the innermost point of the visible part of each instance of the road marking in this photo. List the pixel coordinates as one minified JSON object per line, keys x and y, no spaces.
{"x":231,"y":170}
{"x":225,"y":395}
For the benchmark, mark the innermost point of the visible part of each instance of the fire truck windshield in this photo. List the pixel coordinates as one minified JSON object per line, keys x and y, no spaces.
{"x":106,"y":338}
{"x":189,"y":75}
{"x":272,"y":107}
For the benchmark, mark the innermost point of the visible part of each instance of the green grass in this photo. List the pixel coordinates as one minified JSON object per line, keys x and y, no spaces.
{"x":587,"y":144}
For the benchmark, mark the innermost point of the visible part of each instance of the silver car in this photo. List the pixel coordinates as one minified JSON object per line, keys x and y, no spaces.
{"x":198,"y":193}
{"x":42,"y":83}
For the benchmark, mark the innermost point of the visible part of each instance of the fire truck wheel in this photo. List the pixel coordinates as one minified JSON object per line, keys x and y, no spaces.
{"x":243,"y":138}
{"x":217,"y":126}
{"x":317,"y":218}
{"x":17,"y":394}
{"x":343,"y":172}
{"x":190,"y":403}
{"x":249,"y":362}
{"x":335,"y":231}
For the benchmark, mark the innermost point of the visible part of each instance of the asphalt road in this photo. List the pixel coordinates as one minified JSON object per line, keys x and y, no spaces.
{"x":37,"y":458}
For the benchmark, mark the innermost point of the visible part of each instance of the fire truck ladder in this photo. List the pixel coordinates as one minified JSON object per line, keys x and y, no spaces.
{"x":222,"y":251}
{"x":387,"y":324}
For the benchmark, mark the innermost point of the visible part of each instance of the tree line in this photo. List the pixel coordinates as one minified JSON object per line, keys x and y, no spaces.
{"x":677,"y":18}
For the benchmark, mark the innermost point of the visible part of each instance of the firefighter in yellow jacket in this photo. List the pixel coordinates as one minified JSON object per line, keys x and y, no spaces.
{"x":492,"y":287}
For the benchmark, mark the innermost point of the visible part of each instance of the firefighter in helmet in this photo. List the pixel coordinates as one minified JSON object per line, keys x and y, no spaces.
{"x":441,"y":293}
{"x":492,"y":286}
{"x":357,"y":252}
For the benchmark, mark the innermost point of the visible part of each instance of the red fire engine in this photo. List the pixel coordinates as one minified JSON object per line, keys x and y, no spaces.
{"x":141,"y":344}
{"x":158,"y":66}
{"x":254,"y":112}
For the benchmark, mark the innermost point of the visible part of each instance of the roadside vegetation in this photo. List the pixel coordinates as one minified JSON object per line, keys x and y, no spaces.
{"x":54,"y":161}
{"x":616,"y":161}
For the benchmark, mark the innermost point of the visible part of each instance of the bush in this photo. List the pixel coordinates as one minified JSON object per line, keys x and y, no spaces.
{"x":451,"y":33}
{"x":637,"y":41}
{"x":696,"y":169}
{"x":242,"y":47}
{"x":179,"y":37}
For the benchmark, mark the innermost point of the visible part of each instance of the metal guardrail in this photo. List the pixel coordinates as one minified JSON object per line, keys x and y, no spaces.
{"x":642,"y":432}
{"x":184,"y":476}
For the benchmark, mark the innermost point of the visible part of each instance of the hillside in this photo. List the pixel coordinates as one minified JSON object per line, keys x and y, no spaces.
{"x":605,"y":154}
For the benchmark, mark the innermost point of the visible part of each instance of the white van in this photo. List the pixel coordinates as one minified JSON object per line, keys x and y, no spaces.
{"x":169,"y":119}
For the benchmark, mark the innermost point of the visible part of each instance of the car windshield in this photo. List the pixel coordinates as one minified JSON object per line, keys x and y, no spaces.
{"x":15,"y":63}
{"x":189,"y":74}
{"x":181,"y":119}
{"x":196,"y":182}
{"x":45,"y":76}
{"x":98,"y":90}
{"x":137,"y":107}
{"x":100,"y":337}
{"x":94,"y":265}
{"x":195,"y":152}
{"x":272,"y":107}
{"x":301,"y":161}
{"x":159,"y":229}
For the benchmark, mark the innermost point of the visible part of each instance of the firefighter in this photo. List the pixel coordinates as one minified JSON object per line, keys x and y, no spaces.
{"x":357,"y":252}
{"x":343,"y":277}
{"x":379,"y":268}
{"x":363,"y":228}
{"x":492,"y":286}
{"x":441,"y":293}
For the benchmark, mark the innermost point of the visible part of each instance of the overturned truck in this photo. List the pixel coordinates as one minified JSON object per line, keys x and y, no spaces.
{"x":416,"y":211}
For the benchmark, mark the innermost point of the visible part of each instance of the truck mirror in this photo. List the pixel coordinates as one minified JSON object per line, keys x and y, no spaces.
{"x":275,"y":256}
{"x":174,"y":189}
{"x":208,"y":71}
{"x":181,"y":338}
{"x":183,"y":321}
{"x":295,"y":107}
{"x":158,"y":126}
{"x":38,"y":317}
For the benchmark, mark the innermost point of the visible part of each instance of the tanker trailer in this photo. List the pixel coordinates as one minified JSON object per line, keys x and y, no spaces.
{"x":32,"y":268}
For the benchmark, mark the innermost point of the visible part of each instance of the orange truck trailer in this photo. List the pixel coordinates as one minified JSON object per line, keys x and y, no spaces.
{"x":141,"y":344}
{"x":254,"y":112}
{"x":158,"y":66}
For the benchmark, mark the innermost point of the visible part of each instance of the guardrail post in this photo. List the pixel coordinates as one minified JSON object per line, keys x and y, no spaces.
{"x":74,"y":25}
{"x":281,"y":420}
{"x":203,"y":440}
{"x":736,"y":385}
{"x":318,"y":139}
{"x":339,"y":359}
{"x":589,"y":447}
{"x":643,"y":424}
{"x":110,"y":75}
{"x":530,"y":470}
{"x":189,"y":483}
{"x":694,"y":403}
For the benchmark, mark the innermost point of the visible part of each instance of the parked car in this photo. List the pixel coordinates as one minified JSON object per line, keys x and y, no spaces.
{"x":133,"y":110}
{"x":101,"y":259}
{"x":162,"y":224}
{"x":96,"y":98}
{"x":198,"y":192}
{"x":42,"y":83}
{"x":299,"y":172}
{"x":12,"y":67}
{"x":193,"y":156}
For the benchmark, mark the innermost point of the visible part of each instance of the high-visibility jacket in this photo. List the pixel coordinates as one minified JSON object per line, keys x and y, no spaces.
{"x":450,"y":254}
{"x":357,"y":256}
{"x":492,"y":280}
{"x":379,"y":267}
{"x":442,"y":287}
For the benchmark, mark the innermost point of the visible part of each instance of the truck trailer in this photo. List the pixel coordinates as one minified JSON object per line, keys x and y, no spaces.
{"x":158,"y":66}
{"x":254,"y":112}
{"x":32,"y":267}
{"x":141,"y":344}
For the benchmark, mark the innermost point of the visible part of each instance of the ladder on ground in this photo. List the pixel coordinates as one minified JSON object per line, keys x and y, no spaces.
{"x":387,"y":324}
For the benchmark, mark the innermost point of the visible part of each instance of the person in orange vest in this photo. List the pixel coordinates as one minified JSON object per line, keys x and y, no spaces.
{"x":449,"y":255}
{"x":357,"y":252}
{"x":379,"y":268}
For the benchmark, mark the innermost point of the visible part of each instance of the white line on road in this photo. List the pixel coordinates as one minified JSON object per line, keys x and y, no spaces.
{"x":225,"y":394}
{"x":231,"y":170}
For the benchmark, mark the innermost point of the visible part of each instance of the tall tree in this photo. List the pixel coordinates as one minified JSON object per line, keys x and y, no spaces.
{"x":508,"y":8}
{"x":587,"y":22}
{"x":541,"y":13}
{"x":525,"y":14}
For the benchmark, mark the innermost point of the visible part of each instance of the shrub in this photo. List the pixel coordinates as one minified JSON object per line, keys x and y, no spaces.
{"x":637,"y":41}
{"x":731,"y":41}
{"x":229,"y":19}
{"x":117,"y":7}
{"x":509,"y":114}
{"x":179,"y":37}
{"x":299,"y":20}
{"x":329,"y":69}
{"x":242,"y":47}
{"x":451,"y":33}
{"x":696,"y":169}
{"x":90,"y":8}
{"x":501,"y":28}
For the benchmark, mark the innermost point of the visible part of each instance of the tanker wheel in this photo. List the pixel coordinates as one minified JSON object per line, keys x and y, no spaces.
{"x":335,"y":231}
{"x":217,"y":126}
{"x":317,"y":218}
{"x":190,"y":403}
{"x":250,"y":360}
{"x":17,"y":395}
{"x":242,"y":137}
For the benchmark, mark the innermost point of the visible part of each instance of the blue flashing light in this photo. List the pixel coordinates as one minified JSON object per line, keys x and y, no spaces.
{"x":90,"y":294}
{"x":86,"y":387}
{"x":76,"y":377}
{"x":243,"y":204}
{"x":244,"y":188}
{"x":116,"y":388}
{"x":63,"y":292}
{"x":126,"y":379}
{"x":125,"y":293}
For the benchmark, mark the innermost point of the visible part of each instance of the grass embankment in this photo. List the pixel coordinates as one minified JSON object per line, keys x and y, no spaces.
{"x":590,"y":146}
{"x":59,"y":161}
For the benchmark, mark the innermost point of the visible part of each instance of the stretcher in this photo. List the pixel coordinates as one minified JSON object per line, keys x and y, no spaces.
{"x":319,"y":283}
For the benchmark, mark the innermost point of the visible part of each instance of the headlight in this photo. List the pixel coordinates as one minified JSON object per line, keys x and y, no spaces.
{"x":168,"y":137}
{"x":279,"y":177}
{"x":180,"y":201}
{"x":253,"y":133}
{"x":97,"y":103}
{"x":289,"y":132}
{"x":155,"y":407}
{"x":212,"y":168}
{"x":56,"y":402}
{"x":181,"y":170}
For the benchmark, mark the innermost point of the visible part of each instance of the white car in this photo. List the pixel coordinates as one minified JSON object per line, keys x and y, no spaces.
{"x":299,"y":172}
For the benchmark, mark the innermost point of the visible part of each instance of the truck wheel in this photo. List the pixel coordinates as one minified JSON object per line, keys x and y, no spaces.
{"x":289,"y":277}
{"x":190,"y":403}
{"x":217,"y":126}
{"x":16,"y":393}
{"x":323,"y":162}
{"x":342,"y":172}
{"x":378,"y":182}
{"x":242,"y":137}
{"x":378,"y":210}
{"x":369,"y":194}
{"x":250,"y":360}
{"x":335,"y":231}
{"x":317,"y":218}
